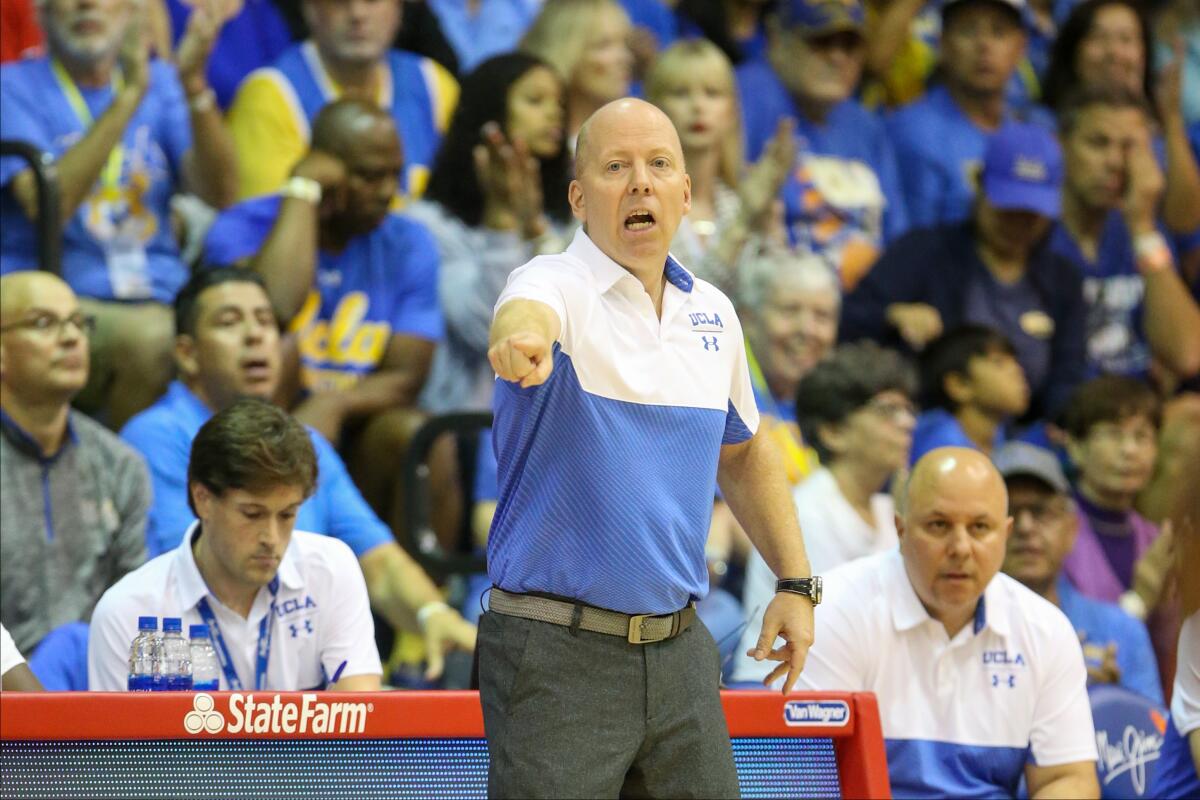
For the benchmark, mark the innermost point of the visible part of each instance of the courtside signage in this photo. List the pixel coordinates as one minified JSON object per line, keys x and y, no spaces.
{"x":247,"y":715}
{"x":820,"y":713}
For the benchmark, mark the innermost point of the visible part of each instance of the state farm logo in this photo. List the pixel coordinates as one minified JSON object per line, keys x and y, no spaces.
{"x":309,"y":715}
{"x":203,"y":716}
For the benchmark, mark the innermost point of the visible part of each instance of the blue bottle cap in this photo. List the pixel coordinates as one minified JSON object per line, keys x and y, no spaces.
{"x":197,"y":631}
{"x":172,"y":625}
{"x":147,"y":623}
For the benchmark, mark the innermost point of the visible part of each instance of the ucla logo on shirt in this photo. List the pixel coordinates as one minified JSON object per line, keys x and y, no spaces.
{"x":706,"y":322}
{"x":337,"y":352}
{"x":1002,"y":667}
{"x":294,"y":605}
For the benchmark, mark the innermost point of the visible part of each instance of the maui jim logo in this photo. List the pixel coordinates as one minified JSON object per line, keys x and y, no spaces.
{"x":1129,"y":756}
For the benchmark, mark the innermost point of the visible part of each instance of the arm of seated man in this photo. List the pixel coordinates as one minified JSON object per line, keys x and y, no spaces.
{"x":358,"y":683}
{"x":395,"y":383}
{"x":1077,"y":780}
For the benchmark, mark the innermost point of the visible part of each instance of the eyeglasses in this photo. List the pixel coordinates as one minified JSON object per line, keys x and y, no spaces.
{"x":892,"y":409}
{"x":1042,"y":513}
{"x":51,"y":324}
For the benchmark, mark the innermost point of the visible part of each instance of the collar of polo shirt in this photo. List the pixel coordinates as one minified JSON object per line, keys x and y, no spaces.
{"x":908,"y":612}
{"x":191,"y":587}
{"x":608,"y":272}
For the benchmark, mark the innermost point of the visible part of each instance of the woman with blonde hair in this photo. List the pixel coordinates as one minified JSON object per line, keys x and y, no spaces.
{"x":587,"y":43}
{"x":693,"y":82}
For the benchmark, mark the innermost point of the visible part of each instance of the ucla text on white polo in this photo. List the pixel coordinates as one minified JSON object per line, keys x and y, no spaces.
{"x":607,"y":471}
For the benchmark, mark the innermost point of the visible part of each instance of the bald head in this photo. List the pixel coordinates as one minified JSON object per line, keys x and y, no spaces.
{"x":343,"y":123}
{"x":956,"y":470}
{"x":625,"y":116}
{"x":44,"y":351}
{"x":20,"y":291}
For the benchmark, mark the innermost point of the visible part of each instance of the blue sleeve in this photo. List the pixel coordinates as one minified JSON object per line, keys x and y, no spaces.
{"x":1135,"y":658}
{"x":487,"y":481}
{"x":346,"y":514}
{"x":166,"y":454}
{"x":240,"y":230}
{"x":20,"y":117}
{"x":174,"y":121}
{"x":417,"y":310}
{"x":895,"y":216}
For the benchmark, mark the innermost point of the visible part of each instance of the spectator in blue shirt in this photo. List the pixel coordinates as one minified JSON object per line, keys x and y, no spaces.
{"x":1106,"y":44}
{"x":995,"y":270}
{"x":940,"y":139}
{"x":125,"y":133}
{"x":228,"y":347}
{"x":972,"y":386}
{"x":843,"y":199}
{"x":1116,"y":646}
{"x":1138,"y":307}
{"x":479,"y":29}
{"x":355,"y":284}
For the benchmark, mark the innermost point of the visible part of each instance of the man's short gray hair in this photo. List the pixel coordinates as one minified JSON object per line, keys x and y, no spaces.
{"x":759,"y":274}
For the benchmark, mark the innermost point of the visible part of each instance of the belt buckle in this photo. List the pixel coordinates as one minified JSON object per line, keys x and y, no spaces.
{"x":636,"y":621}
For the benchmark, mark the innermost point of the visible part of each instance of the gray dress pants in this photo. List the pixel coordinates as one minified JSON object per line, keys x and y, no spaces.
{"x":582,"y":714}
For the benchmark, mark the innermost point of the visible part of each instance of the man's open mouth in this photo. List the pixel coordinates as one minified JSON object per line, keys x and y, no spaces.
{"x":639,"y":221}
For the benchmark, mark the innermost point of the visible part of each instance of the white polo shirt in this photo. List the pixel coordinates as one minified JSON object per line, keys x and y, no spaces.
{"x":322,"y":616}
{"x":833,"y":533}
{"x":10,"y":656}
{"x":607,"y":471}
{"x":962,"y":716}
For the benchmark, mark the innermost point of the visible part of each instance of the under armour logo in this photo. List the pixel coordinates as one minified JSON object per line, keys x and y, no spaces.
{"x":710,"y":342}
{"x":295,"y":628}
{"x":203,"y":716}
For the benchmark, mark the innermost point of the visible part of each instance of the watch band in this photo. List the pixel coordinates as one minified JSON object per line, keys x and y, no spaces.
{"x":812,"y":588}
{"x":302,"y":188}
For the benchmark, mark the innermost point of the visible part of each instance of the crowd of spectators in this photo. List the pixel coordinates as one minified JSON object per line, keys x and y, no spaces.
{"x":965,"y":223}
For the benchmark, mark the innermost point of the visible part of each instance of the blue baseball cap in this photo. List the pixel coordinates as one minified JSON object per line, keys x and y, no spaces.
{"x":1023,"y":170}
{"x":818,"y":17}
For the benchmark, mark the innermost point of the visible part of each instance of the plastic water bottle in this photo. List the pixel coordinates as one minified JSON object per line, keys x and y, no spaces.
{"x":206,"y":676}
{"x":177,"y":657}
{"x":141,"y":656}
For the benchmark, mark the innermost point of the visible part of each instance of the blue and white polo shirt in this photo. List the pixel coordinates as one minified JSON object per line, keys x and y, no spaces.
{"x":963,"y":716}
{"x":607,"y":471}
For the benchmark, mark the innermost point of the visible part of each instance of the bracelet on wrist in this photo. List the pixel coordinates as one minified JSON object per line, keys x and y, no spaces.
{"x":202,"y":101}
{"x":1132,"y":604}
{"x":1151,"y":252}
{"x":302,"y":188}
{"x":428,"y":610}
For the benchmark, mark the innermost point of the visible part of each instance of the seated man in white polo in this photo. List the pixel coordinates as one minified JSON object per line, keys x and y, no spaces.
{"x":286,"y":610}
{"x":980,"y":681}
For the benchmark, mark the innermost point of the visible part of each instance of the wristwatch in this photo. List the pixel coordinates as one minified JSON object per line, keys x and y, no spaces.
{"x":806,"y":587}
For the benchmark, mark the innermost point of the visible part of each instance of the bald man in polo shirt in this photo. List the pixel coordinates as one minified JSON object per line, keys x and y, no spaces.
{"x":980,"y":681}
{"x":624,"y":397}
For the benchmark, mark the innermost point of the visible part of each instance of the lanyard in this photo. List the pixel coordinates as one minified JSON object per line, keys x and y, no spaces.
{"x":264,"y":642}
{"x":110,"y":176}
{"x":800,"y":462}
